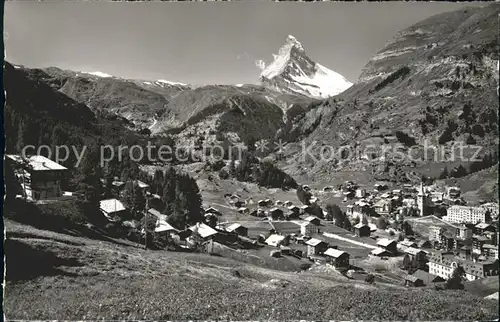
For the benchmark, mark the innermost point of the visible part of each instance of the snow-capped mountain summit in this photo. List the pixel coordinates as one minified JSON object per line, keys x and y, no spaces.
{"x":170,"y":82}
{"x":292,"y":71}
{"x":98,"y":74}
{"x":160,"y":82}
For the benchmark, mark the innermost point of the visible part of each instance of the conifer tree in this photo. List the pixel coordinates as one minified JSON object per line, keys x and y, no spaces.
{"x":347,"y":224}
{"x":444,"y":174}
{"x":455,"y":282}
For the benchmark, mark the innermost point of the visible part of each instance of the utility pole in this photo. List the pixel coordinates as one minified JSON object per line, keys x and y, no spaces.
{"x":24,"y":164}
{"x":146,"y":224}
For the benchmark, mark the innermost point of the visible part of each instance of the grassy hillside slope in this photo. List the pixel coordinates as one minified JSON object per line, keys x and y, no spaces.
{"x":58,"y":276}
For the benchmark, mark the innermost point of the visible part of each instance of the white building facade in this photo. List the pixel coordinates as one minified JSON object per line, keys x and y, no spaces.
{"x":443,"y":265}
{"x":466,"y":214}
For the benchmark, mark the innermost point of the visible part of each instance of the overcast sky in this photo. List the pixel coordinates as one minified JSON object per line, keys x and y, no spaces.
{"x":201,"y":43}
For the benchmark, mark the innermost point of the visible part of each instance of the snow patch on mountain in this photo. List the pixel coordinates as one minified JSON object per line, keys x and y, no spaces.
{"x":394,"y":53}
{"x":99,"y":74}
{"x":154,"y":123}
{"x":324,"y":82}
{"x":170,"y":82}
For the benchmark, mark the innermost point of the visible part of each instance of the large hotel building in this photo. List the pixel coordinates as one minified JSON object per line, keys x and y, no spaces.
{"x":467,"y":214}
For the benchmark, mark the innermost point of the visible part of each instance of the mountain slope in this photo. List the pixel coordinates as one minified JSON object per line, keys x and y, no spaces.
{"x":33,"y":109}
{"x":436,"y":81}
{"x":138,"y":101}
{"x":164,"y":106}
{"x":36,"y":114}
{"x":221,"y":101}
{"x":292,"y":71}
{"x":92,"y":279}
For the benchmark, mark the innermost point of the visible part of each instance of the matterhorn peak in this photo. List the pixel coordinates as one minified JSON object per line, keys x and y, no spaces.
{"x":292,"y":41}
{"x":282,"y":58}
{"x":294,"y":72}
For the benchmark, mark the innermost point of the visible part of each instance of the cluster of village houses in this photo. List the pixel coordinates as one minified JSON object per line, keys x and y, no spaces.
{"x":468,"y":237}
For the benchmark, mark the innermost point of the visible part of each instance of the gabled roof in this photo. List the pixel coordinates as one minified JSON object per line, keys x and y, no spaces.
{"x":360,"y":225}
{"x":203,"y":229}
{"x":482,"y":225}
{"x":314,"y":242}
{"x":385,"y":242}
{"x":164,"y":226}
{"x":407,"y":243}
{"x":426,"y":277}
{"x":156,"y":213}
{"x":307,"y":223}
{"x":274,"y":239}
{"x":38,"y":162}
{"x":212,"y":210}
{"x":142,"y":184}
{"x":379,"y":251}
{"x":412,"y":278}
{"x":111,"y":205}
{"x":311,"y":218}
{"x":233,"y":227}
{"x":335,"y":253}
{"x":413,"y":251}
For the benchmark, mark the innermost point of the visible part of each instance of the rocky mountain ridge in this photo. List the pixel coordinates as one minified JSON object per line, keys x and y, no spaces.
{"x":165,"y":107}
{"x":436,"y":82}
